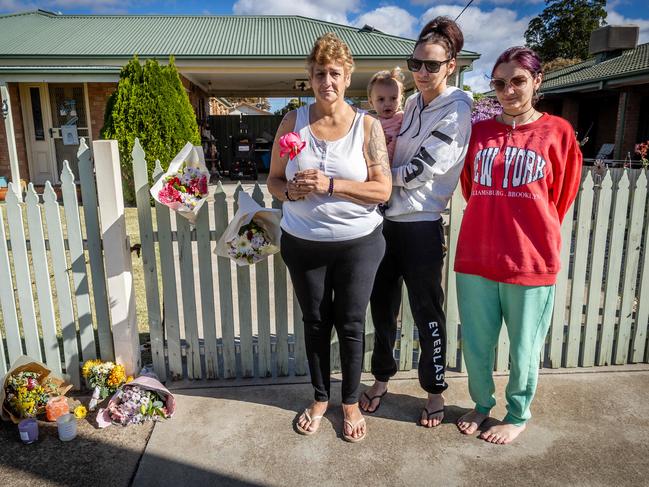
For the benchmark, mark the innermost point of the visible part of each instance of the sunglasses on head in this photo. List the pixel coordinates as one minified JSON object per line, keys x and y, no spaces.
{"x":517,"y":82}
{"x":432,"y":66}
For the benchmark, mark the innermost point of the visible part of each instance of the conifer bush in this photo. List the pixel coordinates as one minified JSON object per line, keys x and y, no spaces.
{"x":150,"y":103}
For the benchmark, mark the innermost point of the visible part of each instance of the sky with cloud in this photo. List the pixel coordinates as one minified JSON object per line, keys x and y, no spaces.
{"x":489,"y":26}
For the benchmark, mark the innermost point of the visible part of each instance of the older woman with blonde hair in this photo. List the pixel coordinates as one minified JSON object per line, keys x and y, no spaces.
{"x":331,"y":231}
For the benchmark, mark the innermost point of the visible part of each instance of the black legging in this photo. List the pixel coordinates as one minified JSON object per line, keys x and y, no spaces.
{"x":333,"y":282}
{"x":414,"y":253}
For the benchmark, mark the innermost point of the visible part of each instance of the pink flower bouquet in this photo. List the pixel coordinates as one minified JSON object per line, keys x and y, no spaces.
{"x":143,"y":399}
{"x":183,"y":188}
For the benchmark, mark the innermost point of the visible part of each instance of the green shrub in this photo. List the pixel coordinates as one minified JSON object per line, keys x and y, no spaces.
{"x":150,"y":103}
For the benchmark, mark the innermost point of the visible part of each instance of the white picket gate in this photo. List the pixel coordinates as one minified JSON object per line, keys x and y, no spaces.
{"x":209,"y":320}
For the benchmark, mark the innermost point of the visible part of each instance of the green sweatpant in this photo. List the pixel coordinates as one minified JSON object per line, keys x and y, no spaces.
{"x":527,"y":311}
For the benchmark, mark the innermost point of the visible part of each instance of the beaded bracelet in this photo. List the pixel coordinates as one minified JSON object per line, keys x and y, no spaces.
{"x":288,"y":196}
{"x":331,"y":186}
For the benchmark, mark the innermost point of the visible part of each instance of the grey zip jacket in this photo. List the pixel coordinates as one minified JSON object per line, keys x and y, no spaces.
{"x":429,"y":155}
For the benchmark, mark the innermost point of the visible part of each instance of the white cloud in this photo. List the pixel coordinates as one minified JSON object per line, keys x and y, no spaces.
{"x":391,"y":20}
{"x":329,"y":10}
{"x":614,"y":18}
{"x":12,"y":6}
{"x":487,"y":32}
{"x":476,"y":2}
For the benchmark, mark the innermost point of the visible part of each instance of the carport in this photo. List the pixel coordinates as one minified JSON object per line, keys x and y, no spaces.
{"x":59,"y":70}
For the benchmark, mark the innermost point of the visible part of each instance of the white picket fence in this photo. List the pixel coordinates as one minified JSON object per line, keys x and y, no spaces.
{"x":203,"y":326}
{"x":52,"y":258}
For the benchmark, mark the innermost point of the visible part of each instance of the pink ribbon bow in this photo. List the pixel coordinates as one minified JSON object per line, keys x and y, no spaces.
{"x":291,"y":145}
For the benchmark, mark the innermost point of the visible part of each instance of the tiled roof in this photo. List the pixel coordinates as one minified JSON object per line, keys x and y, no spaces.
{"x":43,"y":34}
{"x":631,"y":62}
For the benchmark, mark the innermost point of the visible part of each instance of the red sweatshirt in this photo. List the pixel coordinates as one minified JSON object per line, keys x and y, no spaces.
{"x":518,"y":185}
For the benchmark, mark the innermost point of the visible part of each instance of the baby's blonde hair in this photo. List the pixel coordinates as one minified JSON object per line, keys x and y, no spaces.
{"x":387,"y":78}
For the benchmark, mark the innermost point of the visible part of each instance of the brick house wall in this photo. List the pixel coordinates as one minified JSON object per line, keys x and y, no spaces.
{"x":570,"y":111}
{"x":633,"y":120}
{"x":19,"y":130}
{"x":198,"y":98}
{"x":98,"y":94}
{"x":217,"y":108}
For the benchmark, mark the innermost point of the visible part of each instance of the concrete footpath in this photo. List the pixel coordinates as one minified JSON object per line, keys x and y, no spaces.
{"x":590,"y":428}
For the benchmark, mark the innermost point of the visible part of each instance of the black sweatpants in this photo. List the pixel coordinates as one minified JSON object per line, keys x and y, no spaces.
{"x":333,"y":282}
{"x":415,"y":254}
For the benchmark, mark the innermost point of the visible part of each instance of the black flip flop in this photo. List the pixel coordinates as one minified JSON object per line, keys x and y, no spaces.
{"x":429,"y":414}
{"x":370,"y":399}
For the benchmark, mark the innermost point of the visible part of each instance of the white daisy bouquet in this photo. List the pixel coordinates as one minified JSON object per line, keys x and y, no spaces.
{"x":251,"y":245}
{"x":183,"y":188}
{"x":252,"y":235}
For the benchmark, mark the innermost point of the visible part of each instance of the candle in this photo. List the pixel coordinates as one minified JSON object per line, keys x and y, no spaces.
{"x":28,"y":429}
{"x":56,"y":406}
{"x":67,"y":426}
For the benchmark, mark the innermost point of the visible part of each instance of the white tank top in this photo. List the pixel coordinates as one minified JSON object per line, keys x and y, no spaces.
{"x":320,"y":216}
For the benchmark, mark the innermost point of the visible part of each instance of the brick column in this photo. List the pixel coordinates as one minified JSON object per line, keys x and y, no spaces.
{"x":632,"y":121}
{"x":620,"y":124}
{"x":98,"y":94}
{"x":19,"y":131}
{"x":570,"y":110}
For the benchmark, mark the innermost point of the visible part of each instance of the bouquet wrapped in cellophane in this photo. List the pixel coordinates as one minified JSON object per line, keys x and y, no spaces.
{"x":183,"y":188}
{"x":26,"y":389}
{"x":103,"y":378}
{"x":143,"y":399}
{"x":252,"y":235}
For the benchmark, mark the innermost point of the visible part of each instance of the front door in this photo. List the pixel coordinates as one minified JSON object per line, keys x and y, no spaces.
{"x":69,"y":122}
{"x":38,"y":123}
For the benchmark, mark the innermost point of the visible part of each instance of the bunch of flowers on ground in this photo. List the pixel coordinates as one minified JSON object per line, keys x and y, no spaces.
{"x":143,"y":399}
{"x":135,"y":405}
{"x":184,"y":189}
{"x":104,"y":378}
{"x":251,"y":245}
{"x":642,"y":149}
{"x":27,"y":393}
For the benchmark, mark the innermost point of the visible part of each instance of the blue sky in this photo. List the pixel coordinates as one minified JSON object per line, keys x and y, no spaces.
{"x":489,"y":26}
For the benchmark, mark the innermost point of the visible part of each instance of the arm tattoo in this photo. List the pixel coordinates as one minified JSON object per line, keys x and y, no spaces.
{"x":377,"y":150}
{"x":284,"y":127}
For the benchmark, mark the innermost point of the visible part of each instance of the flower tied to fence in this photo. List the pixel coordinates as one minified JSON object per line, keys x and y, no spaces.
{"x":290,"y":144}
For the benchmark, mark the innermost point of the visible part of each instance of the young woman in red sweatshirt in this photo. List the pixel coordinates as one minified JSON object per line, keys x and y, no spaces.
{"x":521,"y":174}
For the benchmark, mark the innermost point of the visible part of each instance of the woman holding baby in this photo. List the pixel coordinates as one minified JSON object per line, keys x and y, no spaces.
{"x":429,"y":153}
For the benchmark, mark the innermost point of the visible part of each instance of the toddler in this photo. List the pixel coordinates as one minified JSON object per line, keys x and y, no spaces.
{"x":385,"y":92}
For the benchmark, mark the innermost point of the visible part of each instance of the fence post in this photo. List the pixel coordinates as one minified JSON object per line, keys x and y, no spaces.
{"x":7,"y":115}
{"x":117,"y":254}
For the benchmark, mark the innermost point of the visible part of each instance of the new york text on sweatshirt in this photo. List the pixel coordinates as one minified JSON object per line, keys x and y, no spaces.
{"x":519,"y":185}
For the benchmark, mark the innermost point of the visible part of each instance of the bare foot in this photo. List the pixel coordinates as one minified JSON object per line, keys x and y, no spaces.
{"x":354,"y":427}
{"x":470,"y":422}
{"x":502,"y":433}
{"x":371,"y":398}
{"x":433,"y":414}
{"x":309,"y":421}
